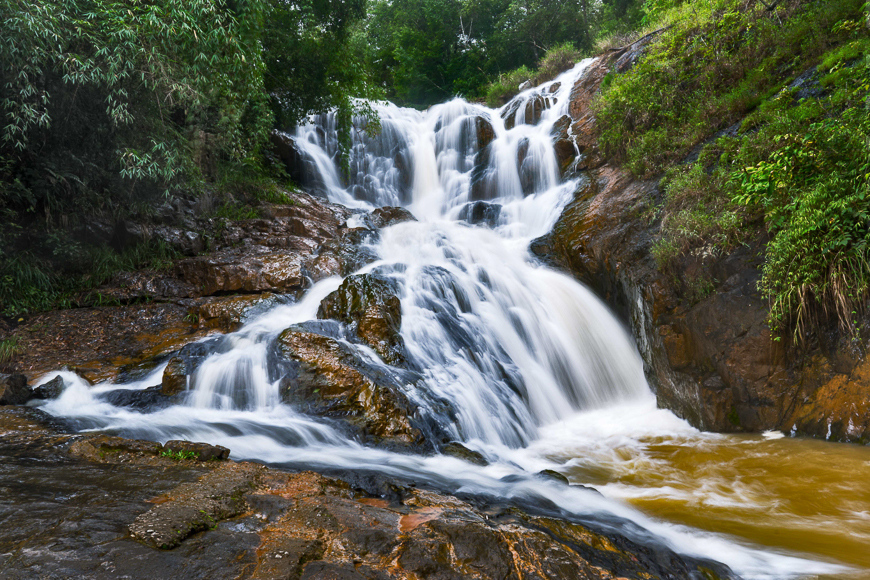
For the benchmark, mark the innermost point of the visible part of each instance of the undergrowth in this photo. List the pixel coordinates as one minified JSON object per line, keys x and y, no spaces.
{"x":796,"y":169}
{"x":557,"y":60}
{"x":54,"y":272}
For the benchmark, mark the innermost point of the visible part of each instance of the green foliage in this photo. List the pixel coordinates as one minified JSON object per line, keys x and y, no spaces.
{"x":555,"y":61}
{"x":799,"y":167}
{"x":30,"y":281}
{"x":182,"y":455}
{"x":8,"y":349}
{"x":427,"y":51}
{"x":506,"y":86}
{"x":719,"y":60}
{"x":104,"y":98}
{"x":236,"y":211}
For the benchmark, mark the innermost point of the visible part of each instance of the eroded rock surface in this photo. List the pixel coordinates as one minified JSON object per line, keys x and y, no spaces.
{"x":328,"y":379}
{"x":701,"y":330}
{"x":370,"y":305}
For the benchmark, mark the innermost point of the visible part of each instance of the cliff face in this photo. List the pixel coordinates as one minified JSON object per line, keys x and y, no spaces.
{"x":701,"y":330}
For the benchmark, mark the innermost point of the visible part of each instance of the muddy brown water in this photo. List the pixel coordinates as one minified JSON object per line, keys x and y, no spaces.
{"x":801,"y":495}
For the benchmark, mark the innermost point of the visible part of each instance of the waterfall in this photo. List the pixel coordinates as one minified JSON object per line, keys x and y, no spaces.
{"x":514,"y":359}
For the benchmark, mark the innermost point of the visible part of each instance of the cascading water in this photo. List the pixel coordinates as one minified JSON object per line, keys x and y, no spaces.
{"x":515,"y":359}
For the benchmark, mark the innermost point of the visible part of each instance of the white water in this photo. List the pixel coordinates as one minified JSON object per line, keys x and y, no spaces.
{"x":527,"y":361}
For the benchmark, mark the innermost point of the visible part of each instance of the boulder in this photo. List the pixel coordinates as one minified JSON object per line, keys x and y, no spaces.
{"x":14,"y":390}
{"x":344,"y":255}
{"x":327,"y":379}
{"x":371,"y":305}
{"x":174,"y":377}
{"x":198,"y":451}
{"x":484,"y":131}
{"x":142,"y":400}
{"x":50,"y":390}
{"x":383,"y":217}
{"x":285,"y":148}
{"x":481,"y":212}
{"x":460,"y":451}
{"x":251,"y":270}
{"x":510,"y":112}
{"x":534,"y":109}
{"x":228,"y":313}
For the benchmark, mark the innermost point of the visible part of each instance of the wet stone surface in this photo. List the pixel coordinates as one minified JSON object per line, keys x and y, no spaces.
{"x":67,"y":516}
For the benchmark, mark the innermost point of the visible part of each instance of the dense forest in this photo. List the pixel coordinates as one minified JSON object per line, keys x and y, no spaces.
{"x":116,"y":108}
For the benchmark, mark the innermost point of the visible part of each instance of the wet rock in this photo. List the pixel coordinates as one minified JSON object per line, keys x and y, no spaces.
{"x":185,"y":242}
{"x":110,"y":449}
{"x":525,"y":85}
{"x":484,"y":131}
{"x":481,"y":212}
{"x":329,"y":380}
{"x":555,"y":87}
{"x":345,"y":255}
{"x":565,"y":154}
{"x":257,"y":270}
{"x":184,"y":363}
{"x":509,"y":113}
{"x":285,"y":148}
{"x":174,"y":377}
{"x":50,"y":390}
{"x":383,"y":217}
{"x":370,"y":303}
{"x":102,"y":343}
{"x":228,"y":313}
{"x":551,"y":475}
{"x":197,"y":451}
{"x":143,"y":400}
{"x":198,"y":506}
{"x":533,"y":110}
{"x":460,"y":451}
{"x":14,"y":390}
{"x":223,"y":520}
{"x":482,"y":184}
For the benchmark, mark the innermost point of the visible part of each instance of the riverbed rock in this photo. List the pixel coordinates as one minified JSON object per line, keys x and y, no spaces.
{"x":484,"y":132}
{"x":327,"y":379}
{"x":197,"y":506}
{"x":50,"y":390}
{"x":383,"y":217}
{"x":14,"y":390}
{"x":460,"y":451}
{"x":105,"y":342}
{"x":481,"y":212}
{"x":174,"y":377}
{"x":196,"y":450}
{"x":224,"y":520}
{"x":371,"y":305}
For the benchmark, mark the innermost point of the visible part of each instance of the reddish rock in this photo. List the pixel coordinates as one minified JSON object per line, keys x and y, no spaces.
{"x":330,"y":381}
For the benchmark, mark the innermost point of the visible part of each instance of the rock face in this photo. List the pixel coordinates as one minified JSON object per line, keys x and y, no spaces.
{"x":251,"y":265}
{"x":327,"y":379}
{"x":701,"y":331}
{"x":50,"y":390}
{"x":370,"y":304}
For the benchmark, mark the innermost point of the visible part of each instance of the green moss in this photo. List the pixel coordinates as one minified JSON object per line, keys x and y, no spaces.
{"x":733,"y":417}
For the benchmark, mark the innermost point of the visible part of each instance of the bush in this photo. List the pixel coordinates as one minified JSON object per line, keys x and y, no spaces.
{"x":799,"y":168}
{"x":556,"y":61}
{"x":507,"y":86}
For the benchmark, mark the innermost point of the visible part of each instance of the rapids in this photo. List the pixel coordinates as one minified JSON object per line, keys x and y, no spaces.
{"x":520,"y":362}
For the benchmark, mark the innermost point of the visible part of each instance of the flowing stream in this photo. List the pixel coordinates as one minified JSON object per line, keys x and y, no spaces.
{"x":520,"y":363}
